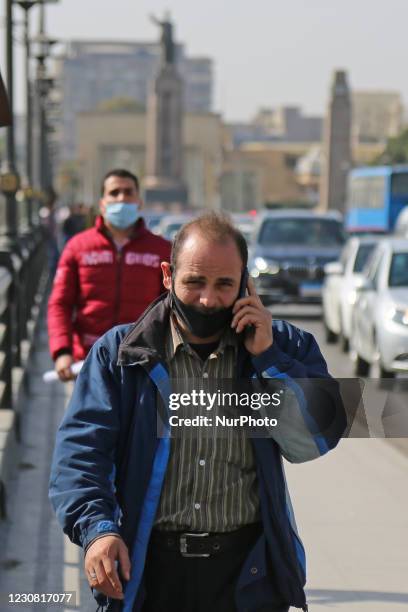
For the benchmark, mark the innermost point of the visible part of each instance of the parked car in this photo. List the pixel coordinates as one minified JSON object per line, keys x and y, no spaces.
{"x":170,"y":225}
{"x":401,"y":225}
{"x":245,"y":223}
{"x":289,"y":251}
{"x":379,"y":327}
{"x":152,"y":220}
{"x":339,"y":292}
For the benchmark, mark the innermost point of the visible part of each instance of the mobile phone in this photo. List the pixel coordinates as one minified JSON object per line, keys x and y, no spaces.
{"x":244,"y":283}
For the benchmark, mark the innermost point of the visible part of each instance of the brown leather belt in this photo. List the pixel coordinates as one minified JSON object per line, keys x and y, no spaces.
{"x":205,"y":544}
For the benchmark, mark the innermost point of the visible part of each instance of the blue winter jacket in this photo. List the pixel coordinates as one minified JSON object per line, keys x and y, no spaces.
{"x":109,"y":464}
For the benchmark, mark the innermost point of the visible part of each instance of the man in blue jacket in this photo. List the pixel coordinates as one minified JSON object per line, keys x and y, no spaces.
{"x":191,"y":523}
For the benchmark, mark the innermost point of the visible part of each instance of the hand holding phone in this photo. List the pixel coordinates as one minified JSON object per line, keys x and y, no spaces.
{"x":251,"y":317}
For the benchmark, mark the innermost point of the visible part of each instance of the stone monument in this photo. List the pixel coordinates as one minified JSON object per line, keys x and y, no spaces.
{"x":164,"y":184}
{"x":337,"y":159}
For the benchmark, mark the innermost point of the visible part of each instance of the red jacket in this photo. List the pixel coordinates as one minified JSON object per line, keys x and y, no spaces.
{"x":97,"y":287}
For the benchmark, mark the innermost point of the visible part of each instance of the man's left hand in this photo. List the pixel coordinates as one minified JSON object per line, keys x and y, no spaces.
{"x":250,"y":311}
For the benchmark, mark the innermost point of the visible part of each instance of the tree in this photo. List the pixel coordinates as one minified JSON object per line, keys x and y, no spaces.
{"x":396,"y":151}
{"x":120,"y":105}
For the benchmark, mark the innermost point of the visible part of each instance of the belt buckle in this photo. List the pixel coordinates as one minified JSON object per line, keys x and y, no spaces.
{"x":183,"y":544}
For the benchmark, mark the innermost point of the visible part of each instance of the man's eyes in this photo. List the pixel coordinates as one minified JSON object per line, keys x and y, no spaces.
{"x":116,"y":192}
{"x":199,"y":282}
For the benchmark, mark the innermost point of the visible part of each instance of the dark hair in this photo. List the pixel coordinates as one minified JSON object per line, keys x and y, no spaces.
{"x":214,"y":226}
{"x":121,"y":173}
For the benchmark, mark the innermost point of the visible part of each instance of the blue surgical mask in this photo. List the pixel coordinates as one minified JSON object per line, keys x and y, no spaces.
{"x":122,"y":214}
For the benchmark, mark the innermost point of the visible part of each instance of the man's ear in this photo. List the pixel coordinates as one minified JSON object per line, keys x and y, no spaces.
{"x":166,"y":269}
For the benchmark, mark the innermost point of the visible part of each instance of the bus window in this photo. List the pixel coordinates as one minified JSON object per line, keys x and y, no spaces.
{"x":399,"y":184}
{"x":377,"y":191}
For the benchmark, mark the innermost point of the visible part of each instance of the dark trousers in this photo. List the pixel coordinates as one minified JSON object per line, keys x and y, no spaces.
{"x":178,"y":584}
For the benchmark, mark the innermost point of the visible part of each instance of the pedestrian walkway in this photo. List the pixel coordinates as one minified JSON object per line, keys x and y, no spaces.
{"x":35,"y":557}
{"x":351,"y":509}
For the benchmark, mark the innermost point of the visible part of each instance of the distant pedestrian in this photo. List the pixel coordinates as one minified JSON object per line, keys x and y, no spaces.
{"x":50,"y":228}
{"x":107,"y":274}
{"x":76,"y":222}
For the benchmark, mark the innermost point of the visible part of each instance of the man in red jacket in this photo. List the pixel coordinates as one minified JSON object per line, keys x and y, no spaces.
{"x":107,"y":275}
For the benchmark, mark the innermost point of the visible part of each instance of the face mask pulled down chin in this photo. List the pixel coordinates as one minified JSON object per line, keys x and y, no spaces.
{"x":122,"y":214}
{"x":201,"y":324}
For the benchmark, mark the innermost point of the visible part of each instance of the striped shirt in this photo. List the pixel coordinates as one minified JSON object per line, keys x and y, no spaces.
{"x":211,"y":482}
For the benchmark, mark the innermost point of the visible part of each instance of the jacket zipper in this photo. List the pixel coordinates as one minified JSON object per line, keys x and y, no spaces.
{"x":119,"y":259}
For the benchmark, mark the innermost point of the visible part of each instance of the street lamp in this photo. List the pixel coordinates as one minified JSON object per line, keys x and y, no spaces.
{"x":9,"y":177}
{"x":27,"y":5}
{"x":43,"y":46}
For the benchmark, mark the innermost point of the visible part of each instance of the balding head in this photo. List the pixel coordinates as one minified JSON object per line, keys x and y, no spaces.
{"x":215,"y":228}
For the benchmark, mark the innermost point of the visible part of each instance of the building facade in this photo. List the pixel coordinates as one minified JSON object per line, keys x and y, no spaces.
{"x":281,"y":124}
{"x":91,"y":72}
{"x":377,"y":115}
{"x":107,"y":140}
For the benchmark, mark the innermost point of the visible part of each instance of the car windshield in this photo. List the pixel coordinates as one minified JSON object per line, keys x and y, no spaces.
{"x":399,"y":270}
{"x":301,"y":231}
{"x":171,"y":230}
{"x":363,"y":253}
{"x":152,"y":222}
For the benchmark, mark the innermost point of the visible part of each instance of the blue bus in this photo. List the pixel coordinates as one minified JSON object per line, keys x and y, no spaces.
{"x":375,"y":197}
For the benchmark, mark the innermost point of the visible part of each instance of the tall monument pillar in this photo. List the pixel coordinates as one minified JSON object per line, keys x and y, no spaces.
{"x":164,"y":162}
{"x":337,"y":146}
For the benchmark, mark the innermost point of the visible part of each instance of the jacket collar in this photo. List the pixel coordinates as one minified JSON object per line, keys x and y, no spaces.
{"x":145,"y":342}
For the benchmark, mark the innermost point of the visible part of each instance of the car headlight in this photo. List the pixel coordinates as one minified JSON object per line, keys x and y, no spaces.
{"x":398,"y":315}
{"x":261,"y":264}
{"x":269,"y":267}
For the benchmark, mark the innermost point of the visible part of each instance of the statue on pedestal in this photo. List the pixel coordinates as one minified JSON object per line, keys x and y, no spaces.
{"x":167,"y":42}
{"x":163,"y":182}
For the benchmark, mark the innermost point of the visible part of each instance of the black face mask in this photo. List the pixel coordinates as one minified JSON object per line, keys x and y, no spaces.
{"x":201,"y":324}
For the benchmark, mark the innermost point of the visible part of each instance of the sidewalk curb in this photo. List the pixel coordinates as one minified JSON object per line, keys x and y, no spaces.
{"x":10,"y":418}
{"x":8,"y":453}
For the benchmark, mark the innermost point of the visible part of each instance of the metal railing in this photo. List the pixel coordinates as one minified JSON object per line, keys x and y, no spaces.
{"x":23,"y":273}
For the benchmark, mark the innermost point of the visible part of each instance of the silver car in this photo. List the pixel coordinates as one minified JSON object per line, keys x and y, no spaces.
{"x":288,"y":252}
{"x":245,"y":223}
{"x":171,"y":223}
{"x":379,"y":329}
{"x":339,"y":292}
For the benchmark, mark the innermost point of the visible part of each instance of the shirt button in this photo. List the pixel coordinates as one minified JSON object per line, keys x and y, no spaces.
{"x":254,"y":570}
{"x":205,"y":375}
{"x":202,"y":462}
{"x":197,"y":506}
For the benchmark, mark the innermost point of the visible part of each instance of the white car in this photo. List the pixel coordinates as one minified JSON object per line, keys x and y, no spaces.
{"x":339,"y":289}
{"x":379,"y":329}
{"x":401,"y":225}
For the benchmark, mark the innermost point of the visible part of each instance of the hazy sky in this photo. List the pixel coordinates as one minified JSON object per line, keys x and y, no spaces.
{"x":265,"y":52}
